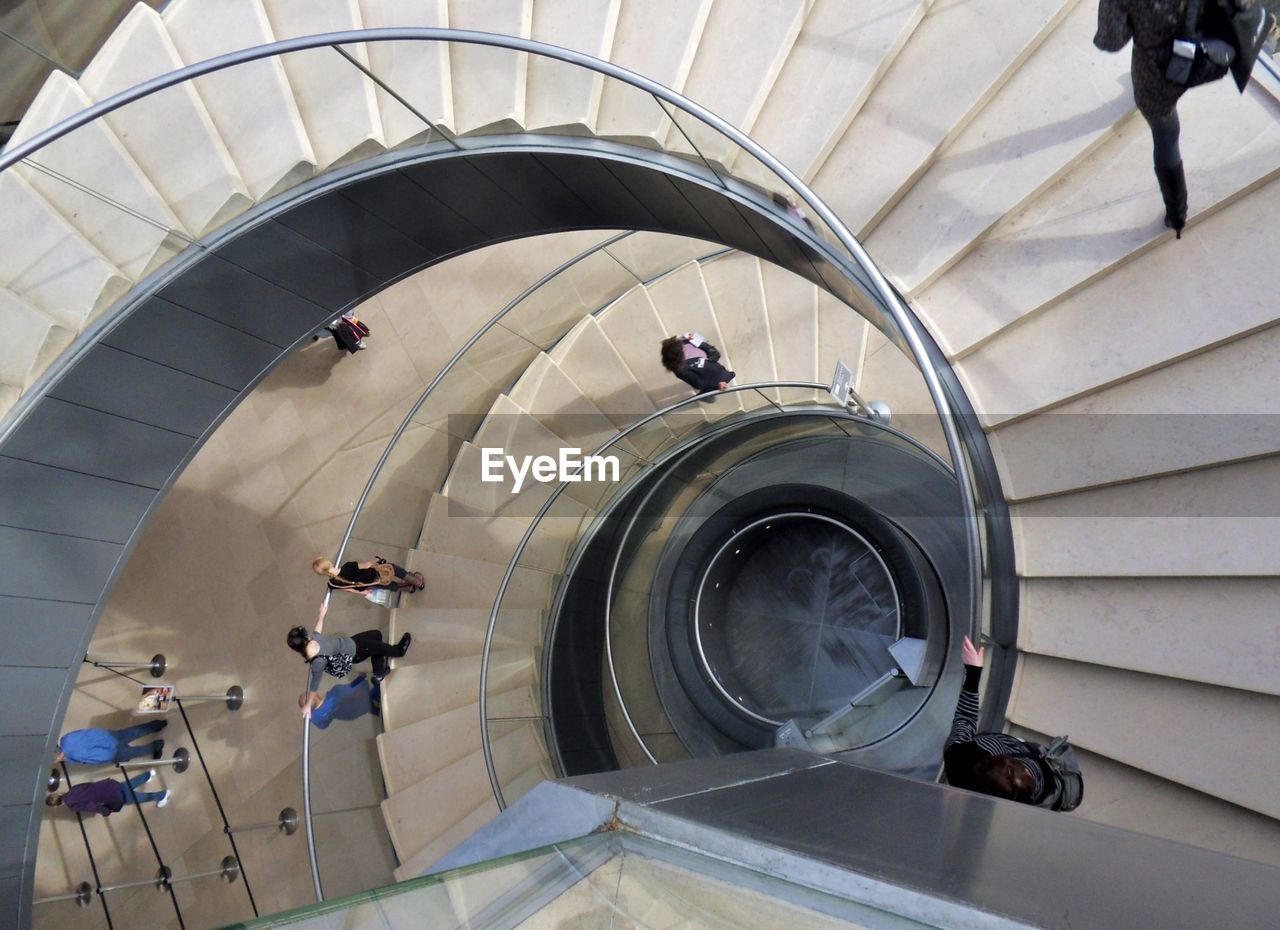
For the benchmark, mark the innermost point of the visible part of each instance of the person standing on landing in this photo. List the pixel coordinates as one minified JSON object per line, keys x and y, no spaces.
{"x":1152,"y":25}
{"x":108,"y":796}
{"x":96,"y":746}
{"x":696,"y":362}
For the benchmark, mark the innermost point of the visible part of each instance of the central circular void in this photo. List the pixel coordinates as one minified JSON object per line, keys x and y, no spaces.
{"x":794,"y":616}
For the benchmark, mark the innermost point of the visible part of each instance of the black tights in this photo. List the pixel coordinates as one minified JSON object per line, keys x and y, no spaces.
{"x":1164,"y":138}
{"x":369,"y":645}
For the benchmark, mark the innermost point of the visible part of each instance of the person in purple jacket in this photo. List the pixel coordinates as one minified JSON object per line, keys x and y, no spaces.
{"x":107,"y":796}
{"x":96,"y":746}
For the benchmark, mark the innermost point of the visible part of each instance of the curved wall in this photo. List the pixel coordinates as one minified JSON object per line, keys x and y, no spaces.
{"x":85,"y":461}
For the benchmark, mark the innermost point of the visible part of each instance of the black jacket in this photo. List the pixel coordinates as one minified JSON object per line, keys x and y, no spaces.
{"x":704,"y":374}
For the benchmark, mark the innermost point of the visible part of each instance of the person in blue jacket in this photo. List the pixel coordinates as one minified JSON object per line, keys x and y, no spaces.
{"x":344,"y":702}
{"x":96,"y":746}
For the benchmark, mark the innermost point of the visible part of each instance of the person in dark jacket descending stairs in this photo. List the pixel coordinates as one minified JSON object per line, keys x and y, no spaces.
{"x":696,"y":362}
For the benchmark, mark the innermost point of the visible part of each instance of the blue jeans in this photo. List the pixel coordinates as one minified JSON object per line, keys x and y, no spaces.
{"x":125,"y":752}
{"x":141,"y":797}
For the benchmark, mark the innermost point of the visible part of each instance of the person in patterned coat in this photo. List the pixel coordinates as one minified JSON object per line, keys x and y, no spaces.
{"x":1152,"y":26}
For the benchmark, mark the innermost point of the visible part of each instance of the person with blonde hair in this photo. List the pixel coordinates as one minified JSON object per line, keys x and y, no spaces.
{"x":363,"y":577}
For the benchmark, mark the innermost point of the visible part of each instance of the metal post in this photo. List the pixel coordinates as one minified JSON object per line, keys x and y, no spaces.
{"x":229,"y":869}
{"x":286,"y":823}
{"x":156,"y":665}
{"x":180,"y":761}
{"x":234,"y":697}
{"x":54,"y":782}
{"x":82,"y":896}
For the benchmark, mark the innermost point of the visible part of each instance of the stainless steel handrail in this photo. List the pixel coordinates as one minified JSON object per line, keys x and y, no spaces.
{"x":902,"y":318}
{"x":528,"y":534}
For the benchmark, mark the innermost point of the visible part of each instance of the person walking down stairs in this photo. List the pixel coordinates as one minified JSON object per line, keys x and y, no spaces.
{"x":336,"y":654}
{"x":696,"y":362}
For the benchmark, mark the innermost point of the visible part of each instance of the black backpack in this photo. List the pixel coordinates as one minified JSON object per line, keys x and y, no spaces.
{"x":1068,"y":784}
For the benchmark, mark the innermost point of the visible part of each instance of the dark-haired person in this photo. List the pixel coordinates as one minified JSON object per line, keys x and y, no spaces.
{"x":336,"y":654}
{"x":1153,"y":25}
{"x":992,"y":763}
{"x":108,"y":796}
{"x":696,"y":362}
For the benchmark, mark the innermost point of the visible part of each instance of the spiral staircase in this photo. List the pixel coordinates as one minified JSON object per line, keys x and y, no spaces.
{"x":991,"y":162}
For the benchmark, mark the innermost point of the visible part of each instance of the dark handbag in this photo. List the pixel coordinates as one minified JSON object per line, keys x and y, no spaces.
{"x":1201,"y":54}
{"x":1249,"y":29}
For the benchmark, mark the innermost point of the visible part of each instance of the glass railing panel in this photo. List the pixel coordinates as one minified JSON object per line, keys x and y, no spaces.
{"x":648,"y":254}
{"x":545,"y":315}
{"x":521,"y":760}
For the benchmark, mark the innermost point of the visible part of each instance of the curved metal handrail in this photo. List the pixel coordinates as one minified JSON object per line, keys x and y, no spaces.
{"x":902,"y":318}
{"x":866,"y":418}
{"x":528,"y":534}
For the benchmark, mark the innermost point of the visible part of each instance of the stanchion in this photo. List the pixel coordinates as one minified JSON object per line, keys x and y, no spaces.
{"x":156,"y":665}
{"x":54,"y":782}
{"x":64,"y":775}
{"x":286,"y":823}
{"x":82,"y":896}
{"x":234,"y":697}
{"x":181,"y":761}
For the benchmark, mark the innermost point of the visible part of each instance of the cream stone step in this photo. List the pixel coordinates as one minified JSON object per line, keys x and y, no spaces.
{"x":627,"y":111}
{"x":1104,"y":212}
{"x":425,"y":810}
{"x":427,"y":856}
{"x":648,"y":255}
{"x":840,"y":54}
{"x":411,"y":753}
{"x":682,"y":304}
{"x":526,"y":781}
{"x":418,"y":692}
{"x":749,"y":39}
{"x":550,"y":396}
{"x":842,"y":336}
{"x":893,"y":139}
{"x":1213,"y":407}
{"x":94,"y":159}
{"x":1216,"y":630}
{"x":441,"y":633}
{"x":1122,"y":323}
{"x":635,"y":331}
{"x":1121,"y":796}
{"x":560,"y":94}
{"x":32,"y":340}
{"x":416,"y":71}
{"x":457,"y":582}
{"x":489,"y":84}
{"x":470,"y":493}
{"x":337,"y":102}
{"x":52,"y":267}
{"x":1014,"y":149}
{"x":736,"y":289}
{"x":169,"y":134}
{"x":1216,"y":521}
{"x":455,"y":529}
{"x":791,"y":304}
{"x":1194,"y":734}
{"x":252,"y":105}
{"x":589,"y":358}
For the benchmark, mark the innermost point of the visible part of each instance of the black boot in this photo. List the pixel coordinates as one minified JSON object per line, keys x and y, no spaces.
{"x":1173,"y":188}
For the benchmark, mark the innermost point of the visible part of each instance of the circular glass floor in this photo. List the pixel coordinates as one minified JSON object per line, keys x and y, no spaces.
{"x":794,"y":617}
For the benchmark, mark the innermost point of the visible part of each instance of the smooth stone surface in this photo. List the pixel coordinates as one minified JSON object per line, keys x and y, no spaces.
{"x":841,"y":53}
{"x":1105,"y":211}
{"x":1218,"y":631}
{"x":169,"y":134}
{"x":1012,"y":150}
{"x":791,"y":304}
{"x":559,"y":94}
{"x":588,"y":357}
{"x":252,"y":105}
{"x":636,"y":332}
{"x":626,"y":111}
{"x":1193,"y":734}
{"x":489,"y":83}
{"x":31,"y":342}
{"x":336,"y":101}
{"x":737,"y":297}
{"x":893,"y":140}
{"x":417,"y":71}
